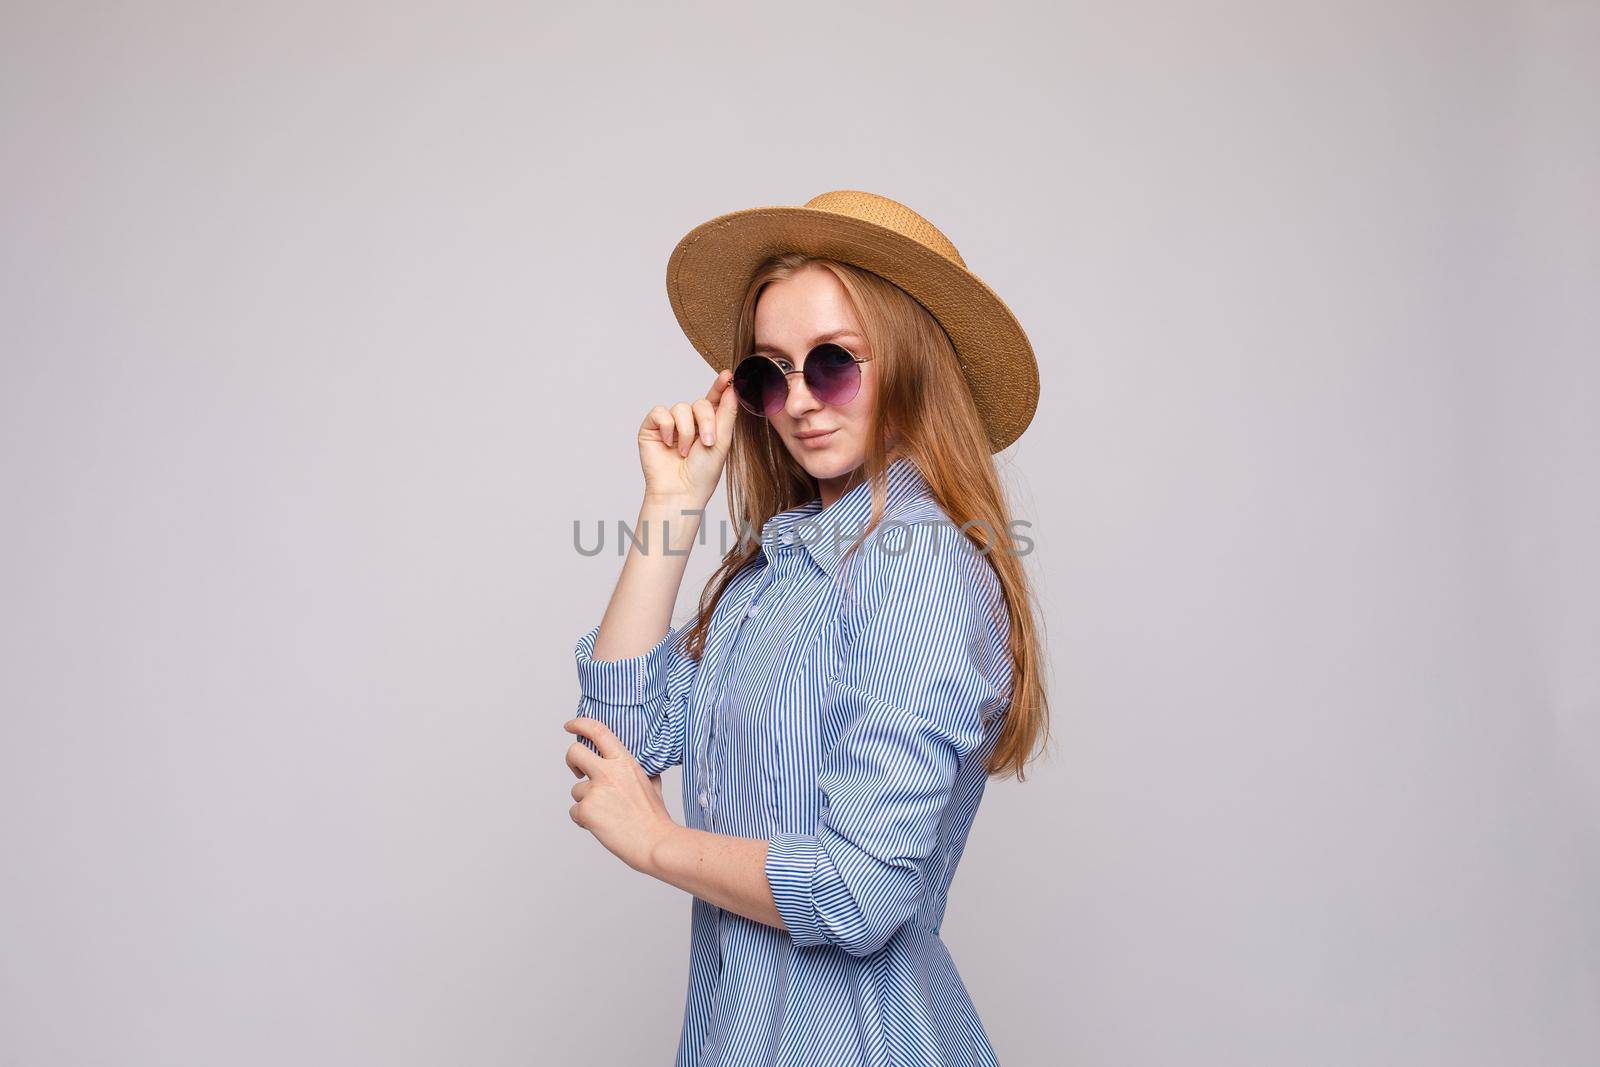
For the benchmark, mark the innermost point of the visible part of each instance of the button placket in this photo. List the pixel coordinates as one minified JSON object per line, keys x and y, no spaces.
{"x":708,"y":789}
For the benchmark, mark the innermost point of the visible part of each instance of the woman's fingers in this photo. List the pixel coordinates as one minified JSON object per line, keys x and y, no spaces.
{"x":727,"y":411}
{"x":683,"y":414}
{"x":580,"y":759}
{"x":705,"y":417}
{"x":710,"y":409}
{"x":664,"y":423}
{"x":718,"y":384}
{"x":609,"y":744}
{"x":709,"y":419}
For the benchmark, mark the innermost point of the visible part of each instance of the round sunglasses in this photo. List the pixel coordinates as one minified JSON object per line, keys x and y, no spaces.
{"x":832,"y":373}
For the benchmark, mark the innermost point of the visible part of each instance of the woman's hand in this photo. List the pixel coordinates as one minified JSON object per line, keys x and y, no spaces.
{"x":616,"y":801}
{"x":683,"y":449}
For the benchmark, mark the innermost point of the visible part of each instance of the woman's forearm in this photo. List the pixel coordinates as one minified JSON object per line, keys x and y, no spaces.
{"x":728,"y":872}
{"x":640,"y":612}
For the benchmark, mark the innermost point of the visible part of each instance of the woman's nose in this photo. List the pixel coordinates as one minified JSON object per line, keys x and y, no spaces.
{"x":800,"y":399}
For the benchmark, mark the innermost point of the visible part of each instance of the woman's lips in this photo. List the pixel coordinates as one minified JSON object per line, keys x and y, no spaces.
{"x":818,"y":440}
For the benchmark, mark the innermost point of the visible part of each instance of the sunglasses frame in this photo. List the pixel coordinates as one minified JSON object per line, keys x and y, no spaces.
{"x":858,"y":360}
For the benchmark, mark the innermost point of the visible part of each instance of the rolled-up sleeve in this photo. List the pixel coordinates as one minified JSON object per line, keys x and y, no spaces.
{"x":643,"y":698}
{"x":919,"y":680}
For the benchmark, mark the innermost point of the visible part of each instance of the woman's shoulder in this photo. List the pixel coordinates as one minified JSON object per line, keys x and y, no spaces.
{"x":929,"y":591}
{"x":919,"y":549}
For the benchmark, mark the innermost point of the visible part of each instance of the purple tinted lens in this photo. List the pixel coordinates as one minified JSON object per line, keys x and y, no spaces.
{"x":760,"y":385}
{"x":832,"y":374}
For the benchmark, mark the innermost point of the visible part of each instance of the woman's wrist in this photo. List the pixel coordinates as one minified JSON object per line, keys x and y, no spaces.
{"x":671,"y":502}
{"x":670,"y":520}
{"x":656,"y":863}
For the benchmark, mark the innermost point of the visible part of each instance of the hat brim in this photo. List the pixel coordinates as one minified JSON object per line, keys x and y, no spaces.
{"x":712,"y":265}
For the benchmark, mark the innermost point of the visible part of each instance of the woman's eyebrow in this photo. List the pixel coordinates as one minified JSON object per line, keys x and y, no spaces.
{"x":831,"y":335}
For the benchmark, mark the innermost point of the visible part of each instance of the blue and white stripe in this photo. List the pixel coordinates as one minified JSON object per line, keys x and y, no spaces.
{"x":845,"y":719}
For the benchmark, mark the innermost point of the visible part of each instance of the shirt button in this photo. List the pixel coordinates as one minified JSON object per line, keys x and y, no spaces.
{"x":753,"y":609}
{"x":704,"y":803}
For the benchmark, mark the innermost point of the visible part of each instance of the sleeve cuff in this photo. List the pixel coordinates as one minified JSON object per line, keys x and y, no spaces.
{"x":791,"y":869}
{"x":624,"y":682}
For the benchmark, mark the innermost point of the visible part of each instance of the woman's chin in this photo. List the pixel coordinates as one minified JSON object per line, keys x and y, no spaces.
{"x":825,"y":464}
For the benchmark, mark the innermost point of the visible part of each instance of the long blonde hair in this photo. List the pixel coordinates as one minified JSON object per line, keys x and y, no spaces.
{"x":924,"y":406}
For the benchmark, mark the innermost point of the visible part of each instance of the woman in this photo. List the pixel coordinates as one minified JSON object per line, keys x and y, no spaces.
{"x":862,"y":660}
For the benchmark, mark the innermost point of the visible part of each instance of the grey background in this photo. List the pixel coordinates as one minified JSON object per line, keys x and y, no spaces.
{"x":321,"y":324}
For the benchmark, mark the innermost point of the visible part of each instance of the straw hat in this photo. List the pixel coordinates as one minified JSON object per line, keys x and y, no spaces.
{"x":712,"y":265}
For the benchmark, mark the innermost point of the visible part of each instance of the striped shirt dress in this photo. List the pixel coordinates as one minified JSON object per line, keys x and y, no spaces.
{"x":845,"y":719}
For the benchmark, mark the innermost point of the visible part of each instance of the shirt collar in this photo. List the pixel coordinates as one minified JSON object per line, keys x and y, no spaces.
{"x":831,"y":531}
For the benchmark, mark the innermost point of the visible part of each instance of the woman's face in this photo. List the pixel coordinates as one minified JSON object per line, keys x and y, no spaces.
{"x":793,"y":316}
